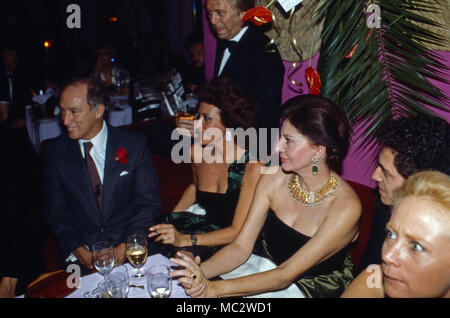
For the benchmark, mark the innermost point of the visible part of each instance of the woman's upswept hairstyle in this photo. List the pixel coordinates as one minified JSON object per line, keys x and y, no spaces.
{"x":237,"y":107}
{"x":323,"y":123}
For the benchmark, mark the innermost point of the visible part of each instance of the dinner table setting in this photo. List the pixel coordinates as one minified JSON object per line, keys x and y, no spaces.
{"x":142,"y":276}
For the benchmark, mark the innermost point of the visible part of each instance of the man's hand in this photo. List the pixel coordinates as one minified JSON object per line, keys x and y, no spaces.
{"x":119,"y":253}
{"x":4,"y":111}
{"x":84,"y":256}
{"x":8,"y":287}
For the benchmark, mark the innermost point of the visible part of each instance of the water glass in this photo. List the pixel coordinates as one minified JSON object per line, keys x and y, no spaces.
{"x":115,"y":285}
{"x":159,"y":283}
{"x":123,"y":270}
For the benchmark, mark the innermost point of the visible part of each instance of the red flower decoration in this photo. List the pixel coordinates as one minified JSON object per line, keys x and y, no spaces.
{"x":121,"y":155}
{"x":313,"y":79}
{"x":258,"y":15}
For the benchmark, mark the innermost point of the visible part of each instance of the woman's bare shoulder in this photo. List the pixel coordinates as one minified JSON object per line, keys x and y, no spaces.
{"x":346,"y":199}
{"x":368,"y":284}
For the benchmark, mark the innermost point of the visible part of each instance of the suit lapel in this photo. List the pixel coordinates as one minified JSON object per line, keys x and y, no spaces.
{"x":219,"y":55}
{"x":237,"y":58}
{"x":112,"y":168}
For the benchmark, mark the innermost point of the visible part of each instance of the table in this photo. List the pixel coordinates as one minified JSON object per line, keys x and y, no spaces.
{"x":55,"y":286}
{"x":120,"y":113}
{"x":41,"y":129}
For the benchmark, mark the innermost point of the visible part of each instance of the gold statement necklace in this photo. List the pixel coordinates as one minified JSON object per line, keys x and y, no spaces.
{"x":311,"y":198}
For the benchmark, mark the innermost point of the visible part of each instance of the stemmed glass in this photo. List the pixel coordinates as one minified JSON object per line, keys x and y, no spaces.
{"x":159,"y":282}
{"x":136,"y":251}
{"x":103,"y":255}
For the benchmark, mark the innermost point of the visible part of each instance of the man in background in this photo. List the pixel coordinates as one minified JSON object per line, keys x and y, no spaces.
{"x":409,"y":145}
{"x":242,"y":55}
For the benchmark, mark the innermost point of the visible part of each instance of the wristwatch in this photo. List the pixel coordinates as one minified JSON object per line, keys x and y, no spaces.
{"x":194,"y":239}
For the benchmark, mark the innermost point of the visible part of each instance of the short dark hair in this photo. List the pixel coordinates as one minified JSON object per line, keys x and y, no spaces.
{"x":242,"y":5}
{"x":323,"y":122}
{"x":193,"y":39}
{"x":419,"y":143}
{"x":237,"y":107}
{"x":96,"y":91}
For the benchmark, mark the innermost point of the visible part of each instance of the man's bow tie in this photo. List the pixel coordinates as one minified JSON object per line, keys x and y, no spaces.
{"x":231,"y":45}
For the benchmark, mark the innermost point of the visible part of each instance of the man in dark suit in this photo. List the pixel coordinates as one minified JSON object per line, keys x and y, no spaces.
{"x":100,"y":181}
{"x":242,"y":55}
{"x":15,"y":91}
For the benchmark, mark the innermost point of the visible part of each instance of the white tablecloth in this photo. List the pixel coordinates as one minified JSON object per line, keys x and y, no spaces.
{"x":120,"y":113}
{"x":41,"y":129}
{"x":90,"y":282}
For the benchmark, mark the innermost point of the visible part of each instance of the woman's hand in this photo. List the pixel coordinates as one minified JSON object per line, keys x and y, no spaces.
{"x":191,"y":277}
{"x":168,"y":234}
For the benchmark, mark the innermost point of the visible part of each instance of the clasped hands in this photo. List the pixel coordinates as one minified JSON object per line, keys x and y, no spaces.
{"x":190,"y":276}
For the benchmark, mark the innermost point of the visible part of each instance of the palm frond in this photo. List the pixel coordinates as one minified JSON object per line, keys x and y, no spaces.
{"x":388,"y":74}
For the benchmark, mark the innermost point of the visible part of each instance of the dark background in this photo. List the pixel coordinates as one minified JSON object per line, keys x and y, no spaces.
{"x":163,"y":24}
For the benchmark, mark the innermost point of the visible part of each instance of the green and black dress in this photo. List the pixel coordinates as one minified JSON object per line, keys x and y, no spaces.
{"x":327,"y":279}
{"x":219,"y":209}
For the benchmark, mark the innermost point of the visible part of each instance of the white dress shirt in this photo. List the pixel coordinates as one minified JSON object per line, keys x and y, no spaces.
{"x":226,"y":54}
{"x":98,"y":151}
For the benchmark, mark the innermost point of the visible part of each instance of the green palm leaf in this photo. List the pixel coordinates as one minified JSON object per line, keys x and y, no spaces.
{"x":388,"y":74}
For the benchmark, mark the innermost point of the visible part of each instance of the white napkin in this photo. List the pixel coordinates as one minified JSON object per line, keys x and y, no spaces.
{"x":196,"y":209}
{"x":256,"y":264}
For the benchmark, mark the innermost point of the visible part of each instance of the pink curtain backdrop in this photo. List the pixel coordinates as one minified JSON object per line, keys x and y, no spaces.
{"x":358,"y":165}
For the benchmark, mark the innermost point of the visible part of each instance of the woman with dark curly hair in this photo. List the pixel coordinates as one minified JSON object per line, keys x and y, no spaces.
{"x":222,"y":188}
{"x":308,"y":215}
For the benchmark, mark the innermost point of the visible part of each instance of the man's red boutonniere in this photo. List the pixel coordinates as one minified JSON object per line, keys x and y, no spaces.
{"x":258,"y":15}
{"x":121,"y":155}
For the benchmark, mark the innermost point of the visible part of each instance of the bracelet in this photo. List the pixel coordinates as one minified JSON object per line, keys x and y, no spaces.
{"x":194,"y":239}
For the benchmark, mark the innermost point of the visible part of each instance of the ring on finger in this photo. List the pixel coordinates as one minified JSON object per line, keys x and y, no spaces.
{"x":165,"y":237}
{"x":193,"y":276}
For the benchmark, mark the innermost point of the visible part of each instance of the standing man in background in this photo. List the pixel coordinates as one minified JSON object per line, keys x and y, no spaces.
{"x":242,"y":55}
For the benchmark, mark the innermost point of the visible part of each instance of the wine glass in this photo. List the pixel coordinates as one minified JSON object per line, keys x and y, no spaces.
{"x":136,"y":251}
{"x":103,"y":255}
{"x":159,"y":283}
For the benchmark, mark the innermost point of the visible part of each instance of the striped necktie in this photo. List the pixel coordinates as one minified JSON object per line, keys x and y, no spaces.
{"x":93,"y":174}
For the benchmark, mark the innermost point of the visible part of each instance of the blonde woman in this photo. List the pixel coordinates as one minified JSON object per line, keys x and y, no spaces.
{"x":416,"y":251}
